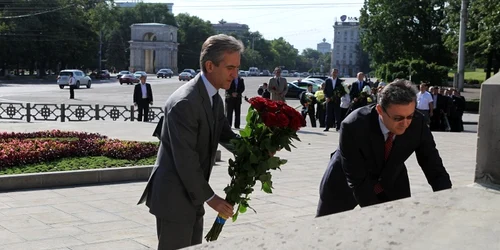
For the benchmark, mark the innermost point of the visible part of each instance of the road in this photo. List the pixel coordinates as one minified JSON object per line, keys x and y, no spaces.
{"x":110,"y":92}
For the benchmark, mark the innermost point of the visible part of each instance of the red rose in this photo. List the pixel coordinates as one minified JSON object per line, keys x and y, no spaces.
{"x":297,"y":122}
{"x":271,"y":106}
{"x":282,"y":120}
{"x":258,"y":103}
{"x":290,"y":112}
{"x":269,"y":119}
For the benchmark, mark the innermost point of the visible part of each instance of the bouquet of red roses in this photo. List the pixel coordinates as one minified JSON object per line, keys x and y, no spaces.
{"x":271,"y":126}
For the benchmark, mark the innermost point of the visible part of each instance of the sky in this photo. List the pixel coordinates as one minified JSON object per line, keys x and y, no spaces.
{"x":303,"y":24}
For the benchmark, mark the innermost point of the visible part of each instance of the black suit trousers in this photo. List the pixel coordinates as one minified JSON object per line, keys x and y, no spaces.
{"x":333,"y":114}
{"x":233,"y":105}
{"x":143,"y":106}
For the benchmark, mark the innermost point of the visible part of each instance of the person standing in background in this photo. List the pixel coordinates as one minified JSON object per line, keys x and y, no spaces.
{"x":143,"y":97}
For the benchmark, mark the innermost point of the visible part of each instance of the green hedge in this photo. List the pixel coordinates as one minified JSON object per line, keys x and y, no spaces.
{"x":419,"y":69}
{"x":472,"y":106}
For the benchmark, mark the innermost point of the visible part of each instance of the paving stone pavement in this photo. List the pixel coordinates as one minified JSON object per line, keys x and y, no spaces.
{"x":107,"y":217}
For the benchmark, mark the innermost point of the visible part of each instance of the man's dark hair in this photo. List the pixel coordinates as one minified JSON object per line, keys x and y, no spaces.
{"x":399,"y":92}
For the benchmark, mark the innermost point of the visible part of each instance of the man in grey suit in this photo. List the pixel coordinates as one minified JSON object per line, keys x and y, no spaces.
{"x":375,"y":141}
{"x":194,"y":124}
{"x":278,"y":86}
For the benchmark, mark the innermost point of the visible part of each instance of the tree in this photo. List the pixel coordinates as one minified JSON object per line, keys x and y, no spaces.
{"x":192,"y":33}
{"x":284,"y":53}
{"x":483,"y":38}
{"x":398,"y":29}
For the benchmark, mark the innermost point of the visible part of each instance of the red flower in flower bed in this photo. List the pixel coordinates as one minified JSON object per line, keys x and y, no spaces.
{"x":28,"y":148}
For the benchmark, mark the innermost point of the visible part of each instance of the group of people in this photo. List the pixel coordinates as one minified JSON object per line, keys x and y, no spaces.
{"x":368,"y":166}
{"x":335,"y":99}
{"x":443,"y":107}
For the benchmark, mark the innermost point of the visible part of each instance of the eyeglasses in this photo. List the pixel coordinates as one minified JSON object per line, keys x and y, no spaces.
{"x":399,"y":118}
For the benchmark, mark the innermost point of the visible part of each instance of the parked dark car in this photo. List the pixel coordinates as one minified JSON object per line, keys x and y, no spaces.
{"x":294,"y":91}
{"x":128,"y":79}
{"x":164,"y":73}
{"x":103,"y":74}
{"x":123,"y":72}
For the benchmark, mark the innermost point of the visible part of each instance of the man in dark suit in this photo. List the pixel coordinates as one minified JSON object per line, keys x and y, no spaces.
{"x":375,"y":141}
{"x":333,"y":85}
{"x":194,"y":124}
{"x":143,"y":97}
{"x":233,"y":101}
{"x":356,"y":89}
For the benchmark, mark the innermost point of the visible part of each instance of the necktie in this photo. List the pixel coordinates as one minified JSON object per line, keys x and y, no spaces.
{"x":360,"y":85}
{"x":388,"y":145}
{"x":387,"y":150}
{"x":278,"y":81}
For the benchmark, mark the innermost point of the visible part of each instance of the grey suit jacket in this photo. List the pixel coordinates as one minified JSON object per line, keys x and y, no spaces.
{"x":278,"y":89}
{"x":178,"y":185}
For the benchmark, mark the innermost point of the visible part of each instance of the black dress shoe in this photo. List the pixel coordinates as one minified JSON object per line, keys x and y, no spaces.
{"x":325,"y":130}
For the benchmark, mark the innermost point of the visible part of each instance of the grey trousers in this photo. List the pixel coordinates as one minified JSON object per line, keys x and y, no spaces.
{"x":176,"y":235}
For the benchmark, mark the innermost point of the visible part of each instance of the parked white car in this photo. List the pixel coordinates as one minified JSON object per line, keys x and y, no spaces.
{"x":80,"y":77}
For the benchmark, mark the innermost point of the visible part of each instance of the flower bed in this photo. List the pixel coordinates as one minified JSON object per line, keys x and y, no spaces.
{"x":18,"y":149}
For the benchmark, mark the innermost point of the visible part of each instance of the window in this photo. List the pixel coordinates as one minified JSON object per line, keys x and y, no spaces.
{"x":344,"y":56}
{"x":350,"y":55}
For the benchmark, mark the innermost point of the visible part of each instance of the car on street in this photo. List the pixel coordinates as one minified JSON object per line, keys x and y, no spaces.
{"x":242,"y":73}
{"x":138,"y":74}
{"x":185,"y":76}
{"x":80,"y":77}
{"x":164,"y":73}
{"x":103,"y":74}
{"x":123,"y":72}
{"x":303,"y":84}
{"x":128,"y":79}
{"x":191,"y":71}
{"x":294,"y":91}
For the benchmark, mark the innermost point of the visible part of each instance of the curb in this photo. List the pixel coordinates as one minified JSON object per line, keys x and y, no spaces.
{"x":470,"y":123}
{"x":78,"y":177}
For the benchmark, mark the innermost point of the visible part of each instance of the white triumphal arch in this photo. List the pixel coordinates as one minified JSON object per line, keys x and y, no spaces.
{"x":153,"y":47}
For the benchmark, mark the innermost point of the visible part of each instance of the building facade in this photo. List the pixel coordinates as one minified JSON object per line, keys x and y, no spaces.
{"x":324,"y":47}
{"x":133,"y":3}
{"x":346,"y":44}
{"x":229,"y":28}
{"x":153,"y":46}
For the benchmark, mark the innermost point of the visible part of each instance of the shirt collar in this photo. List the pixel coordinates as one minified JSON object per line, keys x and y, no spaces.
{"x":210,"y":88}
{"x":383,"y":128}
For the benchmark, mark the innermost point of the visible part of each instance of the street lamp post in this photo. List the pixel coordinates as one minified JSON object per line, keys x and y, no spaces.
{"x":461,"y":46}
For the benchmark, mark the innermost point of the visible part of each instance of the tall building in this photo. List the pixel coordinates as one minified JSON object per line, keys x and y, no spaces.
{"x":346,"y":44}
{"x":133,"y":3}
{"x":228,"y":28}
{"x":324,"y":47}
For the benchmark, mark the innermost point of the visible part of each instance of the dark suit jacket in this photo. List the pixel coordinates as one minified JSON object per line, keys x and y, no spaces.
{"x":138,"y":93}
{"x":358,"y":164}
{"x":178,"y":185}
{"x":329,"y":88}
{"x":239,"y":90}
{"x":355,"y":90}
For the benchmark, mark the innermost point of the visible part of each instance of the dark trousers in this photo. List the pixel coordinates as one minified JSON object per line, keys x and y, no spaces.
{"x":320,"y":115}
{"x":312,"y":115}
{"x":143,"y":106}
{"x":233,"y":105}
{"x":176,"y":235}
{"x":343,"y":113}
{"x":333,"y":115}
{"x":72,"y":91}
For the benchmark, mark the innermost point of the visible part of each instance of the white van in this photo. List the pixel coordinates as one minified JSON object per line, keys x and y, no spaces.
{"x":253,"y":71}
{"x":284,"y":73}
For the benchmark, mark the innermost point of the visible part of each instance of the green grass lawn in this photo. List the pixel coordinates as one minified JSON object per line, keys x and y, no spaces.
{"x":478,"y":74}
{"x":91,"y":162}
